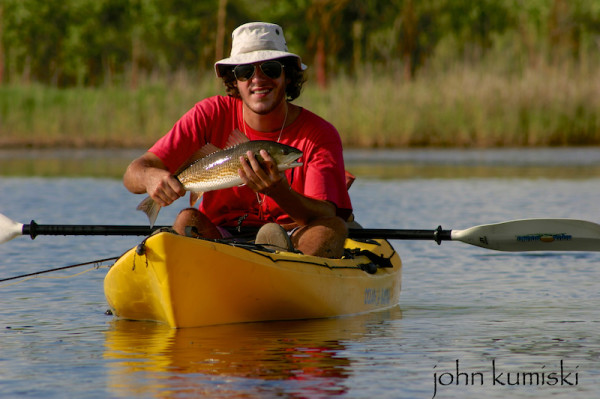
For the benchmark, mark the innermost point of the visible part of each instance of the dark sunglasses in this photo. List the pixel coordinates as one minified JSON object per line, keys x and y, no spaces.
{"x":271,"y":69}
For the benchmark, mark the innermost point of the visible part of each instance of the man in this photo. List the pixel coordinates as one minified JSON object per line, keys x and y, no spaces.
{"x":311,"y":202}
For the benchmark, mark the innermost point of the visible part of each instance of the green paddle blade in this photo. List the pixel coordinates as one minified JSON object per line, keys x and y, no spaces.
{"x":533,"y":235}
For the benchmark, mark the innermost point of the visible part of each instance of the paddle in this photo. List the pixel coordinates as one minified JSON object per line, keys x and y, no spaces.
{"x":514,"y":236}
{"x":10,"y":229}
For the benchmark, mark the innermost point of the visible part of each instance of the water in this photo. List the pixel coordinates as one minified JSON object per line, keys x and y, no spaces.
{"x":499,"y":315}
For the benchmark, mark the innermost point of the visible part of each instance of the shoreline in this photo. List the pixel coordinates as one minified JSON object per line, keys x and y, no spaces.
{"x":130,"y":144}
{"x":407,"y":163}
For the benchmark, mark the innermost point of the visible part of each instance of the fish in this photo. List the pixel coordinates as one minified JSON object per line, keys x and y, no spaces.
{"x":217,"y":169}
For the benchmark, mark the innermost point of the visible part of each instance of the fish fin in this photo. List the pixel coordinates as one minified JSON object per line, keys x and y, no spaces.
{"x":235,"y":138}
{"x":150,"y":208}
{"x":194,"y":197}
{"x":206,"y":150}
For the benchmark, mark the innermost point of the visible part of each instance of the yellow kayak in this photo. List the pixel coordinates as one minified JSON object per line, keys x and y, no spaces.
{"x":189,"y":282}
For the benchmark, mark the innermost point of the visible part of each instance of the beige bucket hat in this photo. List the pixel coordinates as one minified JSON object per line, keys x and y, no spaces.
{"x":255,"y":42}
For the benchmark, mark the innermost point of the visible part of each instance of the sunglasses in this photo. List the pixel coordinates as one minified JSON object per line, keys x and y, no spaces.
{"x":271,"y":69}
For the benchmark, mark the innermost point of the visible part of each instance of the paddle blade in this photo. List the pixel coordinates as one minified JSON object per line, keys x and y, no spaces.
{"x":9,"y":229}
{"x":533,"y":235}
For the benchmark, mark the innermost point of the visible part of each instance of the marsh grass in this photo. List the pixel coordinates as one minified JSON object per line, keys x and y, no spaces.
{"x":461,"y":106}
{"x":40,"y":116}
{"x":465,"y":107}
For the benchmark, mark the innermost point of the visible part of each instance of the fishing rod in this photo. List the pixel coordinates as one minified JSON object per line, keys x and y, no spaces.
{"x":513,"y":236}
{"x":96,"y":263}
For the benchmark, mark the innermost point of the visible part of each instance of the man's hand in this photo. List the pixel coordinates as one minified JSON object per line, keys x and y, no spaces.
{"x":147,"y":174}
{"x":260,"y":177}
{"x":163,"y":187}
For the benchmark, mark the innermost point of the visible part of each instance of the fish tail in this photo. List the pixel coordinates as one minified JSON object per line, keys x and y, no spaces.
{"x":150,"y":208}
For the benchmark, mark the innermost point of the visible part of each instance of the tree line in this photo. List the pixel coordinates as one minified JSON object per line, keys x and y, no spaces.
{"x":105,"y":42}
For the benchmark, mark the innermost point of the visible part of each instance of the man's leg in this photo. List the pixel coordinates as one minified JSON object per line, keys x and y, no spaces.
{"x":324,"y":237}
{"x":193,"y":218}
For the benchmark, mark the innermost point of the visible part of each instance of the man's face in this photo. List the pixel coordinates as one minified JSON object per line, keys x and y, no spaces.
{"x":260,"y":93}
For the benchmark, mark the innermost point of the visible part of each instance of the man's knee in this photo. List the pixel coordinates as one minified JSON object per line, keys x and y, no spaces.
{"x":191,"y":220}
{"x":324,"y":237}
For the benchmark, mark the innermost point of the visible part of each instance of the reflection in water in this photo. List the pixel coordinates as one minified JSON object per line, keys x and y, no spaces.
{"x":439,"y":171}
{"x":210,"y":359}
{"x":110,"y":163}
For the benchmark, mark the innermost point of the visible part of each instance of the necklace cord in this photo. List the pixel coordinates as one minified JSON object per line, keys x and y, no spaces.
{"x":282,"y":126}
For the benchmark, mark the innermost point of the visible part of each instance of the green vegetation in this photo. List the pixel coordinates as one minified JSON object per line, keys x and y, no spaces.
{"x":459,"y":107}
{"x":42,"y":116}
{"x":465,"y":107}
{"x":386,"y":73}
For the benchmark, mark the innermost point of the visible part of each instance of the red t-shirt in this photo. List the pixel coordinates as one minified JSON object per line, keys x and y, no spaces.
{"x":322,"y":175}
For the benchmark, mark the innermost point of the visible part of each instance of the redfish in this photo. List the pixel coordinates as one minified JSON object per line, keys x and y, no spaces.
{"x":218,"y":169}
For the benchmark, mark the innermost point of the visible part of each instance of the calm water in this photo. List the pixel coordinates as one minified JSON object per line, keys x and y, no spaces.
{"x":498,"y":317}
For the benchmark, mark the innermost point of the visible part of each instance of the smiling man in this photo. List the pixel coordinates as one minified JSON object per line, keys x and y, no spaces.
{"x":303,"y":208}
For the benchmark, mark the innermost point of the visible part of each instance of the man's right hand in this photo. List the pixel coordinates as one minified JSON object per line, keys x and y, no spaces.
{"x":163,"y":187}
{"x":147,"y":174}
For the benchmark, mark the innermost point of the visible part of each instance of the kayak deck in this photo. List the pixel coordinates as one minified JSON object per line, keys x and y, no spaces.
{"x":187,"y":282}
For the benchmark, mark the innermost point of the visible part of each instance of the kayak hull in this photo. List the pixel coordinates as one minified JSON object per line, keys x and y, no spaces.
{"x":188,"y":282}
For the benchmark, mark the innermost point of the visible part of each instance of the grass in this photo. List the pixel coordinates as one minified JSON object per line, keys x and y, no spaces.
{"x":461,"y":106}
{"x":465,"y":107}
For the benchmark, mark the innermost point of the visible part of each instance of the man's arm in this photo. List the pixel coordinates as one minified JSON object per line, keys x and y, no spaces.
{"x":148,"y":174}
{"x":301,"y":208}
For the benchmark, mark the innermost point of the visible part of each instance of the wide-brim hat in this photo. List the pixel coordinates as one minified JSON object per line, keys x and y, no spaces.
{"x":256,"y":42}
